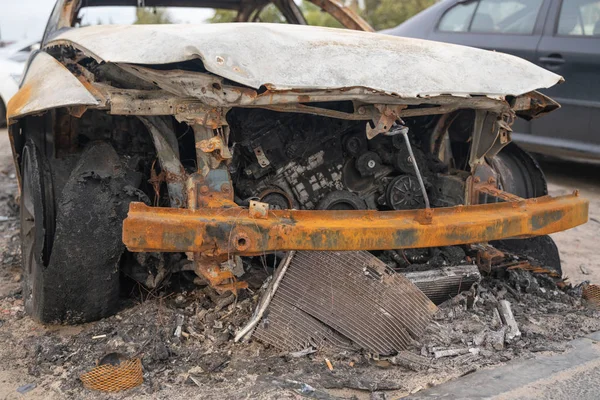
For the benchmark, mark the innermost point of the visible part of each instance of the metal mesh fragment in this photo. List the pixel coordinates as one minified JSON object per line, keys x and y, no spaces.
{"x":351,"y":294}
{"x":114,"y":378}
{"x":592,"y":294}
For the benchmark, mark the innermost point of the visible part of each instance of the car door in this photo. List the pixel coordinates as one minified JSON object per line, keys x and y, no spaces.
{"x":570,"y":47}
{"x":509,"y":26}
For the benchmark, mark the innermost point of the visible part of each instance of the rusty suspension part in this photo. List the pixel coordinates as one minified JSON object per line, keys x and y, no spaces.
{"x":234,"y":231}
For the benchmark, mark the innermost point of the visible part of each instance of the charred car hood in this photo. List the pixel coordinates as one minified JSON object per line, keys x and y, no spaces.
{"x":283,"y":57}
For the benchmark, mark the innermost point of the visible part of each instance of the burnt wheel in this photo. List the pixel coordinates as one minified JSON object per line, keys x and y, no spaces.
{"x":37,"y":225}
{"x":72,"y":246}
{"x":520,"y":174}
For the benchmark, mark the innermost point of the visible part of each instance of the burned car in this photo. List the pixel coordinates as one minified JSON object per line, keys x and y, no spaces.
{"x":213,"y":144}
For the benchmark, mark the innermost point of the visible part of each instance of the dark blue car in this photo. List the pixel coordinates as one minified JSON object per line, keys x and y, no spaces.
{"x":560,"y":35}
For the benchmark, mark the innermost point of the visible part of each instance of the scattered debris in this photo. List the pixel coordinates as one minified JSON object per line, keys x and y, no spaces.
{"x":583,"y":269}
{"x":512,"y":329}
{"x":114,"y":373}
{"x":454,"y":352}
{"x":98,"y":337}
{"x":26,"y":388}
{"x":329,"y":365}
{"x":442,"y":284}
{"x":302,"y":353}
{"x":591,"y":293}
{"x":178,"y":329}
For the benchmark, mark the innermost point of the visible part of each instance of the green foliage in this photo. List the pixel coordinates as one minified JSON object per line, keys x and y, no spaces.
{"x":147,"y":16}
{"x":222,"y":16}
{"x":268,"y":14}
{"x":381,"y":14}
{"x":315,"y":16}
{"x":384,"y":14}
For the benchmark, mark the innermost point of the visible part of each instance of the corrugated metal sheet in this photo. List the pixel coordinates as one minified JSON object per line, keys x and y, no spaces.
{"x":307,"y":57}
{"x":351,"y":293}
{"x":441,"y":284}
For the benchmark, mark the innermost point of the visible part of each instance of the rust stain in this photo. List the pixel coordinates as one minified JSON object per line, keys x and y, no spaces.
{"x":19,"y":100}
{"x":67,"y":13}
{"x":344,"y":15}
{"x":218,"y":230}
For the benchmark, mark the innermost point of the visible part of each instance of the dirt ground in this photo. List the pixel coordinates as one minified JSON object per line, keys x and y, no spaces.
{"x":208,"y":365}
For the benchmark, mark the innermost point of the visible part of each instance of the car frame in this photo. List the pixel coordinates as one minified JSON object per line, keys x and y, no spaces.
{"x":136,"y":98}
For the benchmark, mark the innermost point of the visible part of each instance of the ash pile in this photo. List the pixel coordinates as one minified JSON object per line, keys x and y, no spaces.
{"x":323,"y":339}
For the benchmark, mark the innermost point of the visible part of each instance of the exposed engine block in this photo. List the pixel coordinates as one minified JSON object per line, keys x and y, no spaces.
{"x":312,"y":162}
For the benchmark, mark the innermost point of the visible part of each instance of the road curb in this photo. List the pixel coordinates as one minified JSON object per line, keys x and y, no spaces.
{"x":513,"y":379}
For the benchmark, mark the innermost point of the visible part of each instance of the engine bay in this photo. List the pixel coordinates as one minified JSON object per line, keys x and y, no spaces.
{"x":304,"y":161}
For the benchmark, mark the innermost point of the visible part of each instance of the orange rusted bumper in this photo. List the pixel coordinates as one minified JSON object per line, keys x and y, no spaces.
{"x":219,"y":231}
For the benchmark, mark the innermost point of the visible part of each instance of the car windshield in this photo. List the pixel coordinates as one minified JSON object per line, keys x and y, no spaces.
{"x":127,"y":15}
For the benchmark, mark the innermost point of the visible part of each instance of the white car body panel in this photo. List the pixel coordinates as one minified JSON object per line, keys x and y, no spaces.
{"x":285,"y":57}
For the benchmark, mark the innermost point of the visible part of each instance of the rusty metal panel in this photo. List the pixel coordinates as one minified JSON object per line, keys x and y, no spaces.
{"x":307,"y":57}
{"x":235,"y":231}
{"x":441,"y":284}
{"x":48,"y":84}
{"x":354,"y":294}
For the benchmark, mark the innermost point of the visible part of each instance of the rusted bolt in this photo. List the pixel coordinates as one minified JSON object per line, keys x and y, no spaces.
{"x":361,"y":110}
{"x":204,"y":189}
{"x":476,"y":180}
{"x":491,"y":180}
{"x":225,"y":188}
{"x":576,"y":192}
{"x":220,"y":60}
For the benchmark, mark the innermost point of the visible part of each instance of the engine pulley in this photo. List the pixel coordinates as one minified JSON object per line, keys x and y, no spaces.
{"x":404,"y":193}
{"x":368,"y":163}
{"x":341,"y":200}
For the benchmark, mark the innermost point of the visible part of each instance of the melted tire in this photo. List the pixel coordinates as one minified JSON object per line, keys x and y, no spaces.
{"x":521,"y":174}
{"x":80,"y":282}
{"x":37,"y":226}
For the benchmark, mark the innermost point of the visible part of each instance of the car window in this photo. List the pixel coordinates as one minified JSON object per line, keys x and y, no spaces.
{"x":502,"y":16}
{"x":458,"y":18}
{"x":579,"y":18}
{"x":492,"y":16}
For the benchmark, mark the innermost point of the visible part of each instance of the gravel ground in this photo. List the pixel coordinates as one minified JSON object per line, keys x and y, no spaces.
{"x":209,"y":365}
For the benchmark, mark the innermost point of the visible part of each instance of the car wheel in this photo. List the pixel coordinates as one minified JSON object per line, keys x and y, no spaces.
{"x":37,"y":225}
{"x":520,"y":174}
{"x":71,"y":266}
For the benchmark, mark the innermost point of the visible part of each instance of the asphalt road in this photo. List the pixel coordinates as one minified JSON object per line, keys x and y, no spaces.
{"x":574,"y":374}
